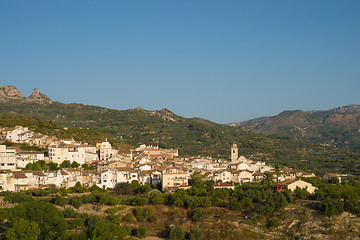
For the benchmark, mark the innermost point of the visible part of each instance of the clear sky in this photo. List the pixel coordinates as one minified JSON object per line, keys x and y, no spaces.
{"x":225,"y":61}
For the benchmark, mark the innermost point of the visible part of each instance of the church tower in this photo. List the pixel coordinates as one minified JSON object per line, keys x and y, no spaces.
{"x":234,"y":153}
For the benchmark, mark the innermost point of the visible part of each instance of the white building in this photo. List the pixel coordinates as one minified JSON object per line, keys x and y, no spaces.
{"x":106,"y":151}
{"x":7,"y":158}
{"x":24,"y":158}
{"x":72,"y":152}
{"x":12,"y":134}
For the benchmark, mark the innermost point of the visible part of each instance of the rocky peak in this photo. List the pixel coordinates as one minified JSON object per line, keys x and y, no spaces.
{"x":8,"y":93}
{"x":38,"y":97}
{"x":139,"y":109}
{"x":351,"y":108}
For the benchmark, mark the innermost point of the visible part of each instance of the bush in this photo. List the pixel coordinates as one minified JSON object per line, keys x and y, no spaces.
{"x":70,"y":213}
{"x":152,"y":219}
{"x":128,"y":229}
{"x":331,"y":207}
{"x":17,"y":198}
{"x":157,"y":198}
{"x":129,"y":217}
{"x":112,"y":210}
{"x":273,"y":222}
{"x":200,"y":215}
{"x":177,"y":233}
{"x":196,"y":234}
{"x":148,"y":212}
{"x":139,"y":201}
{"x":76,"y":223}
{"x":141,"y":232}
{"x":60,"y":201}
{"x":139,"y":214}
{"x":76,"y":202}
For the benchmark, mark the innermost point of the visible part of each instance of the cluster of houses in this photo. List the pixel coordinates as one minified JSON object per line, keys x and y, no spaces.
{"x":20,"y":134}
{"x":145,"y":164}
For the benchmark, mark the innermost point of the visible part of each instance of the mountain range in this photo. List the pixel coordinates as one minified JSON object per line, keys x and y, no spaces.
{"x":192,"y":136}
{"x":337,"y":127}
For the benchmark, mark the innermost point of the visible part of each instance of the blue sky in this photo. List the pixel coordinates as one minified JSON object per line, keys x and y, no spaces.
{"x":225,"y":61}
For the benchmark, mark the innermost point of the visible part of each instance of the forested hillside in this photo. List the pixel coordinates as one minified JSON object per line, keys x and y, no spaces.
{"x":192,"y":136}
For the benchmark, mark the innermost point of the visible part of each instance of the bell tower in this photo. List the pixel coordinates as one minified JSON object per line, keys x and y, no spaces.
{"x":234,"y":153}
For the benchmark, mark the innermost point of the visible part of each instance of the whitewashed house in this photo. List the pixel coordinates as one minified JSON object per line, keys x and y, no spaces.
{"x":7,"y":158}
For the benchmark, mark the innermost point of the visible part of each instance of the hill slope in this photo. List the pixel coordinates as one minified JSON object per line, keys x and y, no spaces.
{"x":193,"y":136}
{"x":338,"y":127}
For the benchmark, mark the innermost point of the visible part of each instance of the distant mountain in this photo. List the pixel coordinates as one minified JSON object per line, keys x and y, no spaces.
{"x":338,"y":127}
{"x":11,"y":94}
{"x":192,"y":136}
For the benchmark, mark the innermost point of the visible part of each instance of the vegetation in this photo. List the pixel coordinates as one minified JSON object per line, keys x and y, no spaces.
{"x":208,"y":211}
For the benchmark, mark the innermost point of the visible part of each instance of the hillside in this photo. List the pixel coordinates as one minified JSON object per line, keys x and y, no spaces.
{"x":338,"y":127}
{"x":192,"y":136}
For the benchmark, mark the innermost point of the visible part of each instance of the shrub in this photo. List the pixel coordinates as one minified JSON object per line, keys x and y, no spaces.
{"x":129,"y":217}
{"x":148,"y":212}
{"x":18,"y":198}
{"x":200,"y":215}
{"x":196,"y":234}
{"x":141,"y":232}
{"x":139,"y":214}
{"x":157,"y":198}
{"x":112,"y":210}
{"x":177,"y":233}
{"x":331,"y":207}
{"x":273,"y":222}
{"x":76,"y":202}
{"x":61,"y":201}
{"x":139,"y":201}
{"x":152,"y":219}
{"x":76,"y":223}
{"x":70,"y":213}
{"x":128,"y":229}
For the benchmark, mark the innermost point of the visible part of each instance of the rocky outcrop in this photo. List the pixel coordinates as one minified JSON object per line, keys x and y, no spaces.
{"x":38,"y":97}
{"x":351,"y":108}
{"x":9,"y":93}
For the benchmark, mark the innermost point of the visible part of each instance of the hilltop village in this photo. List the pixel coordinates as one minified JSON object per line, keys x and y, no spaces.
{"x":103,"y":166}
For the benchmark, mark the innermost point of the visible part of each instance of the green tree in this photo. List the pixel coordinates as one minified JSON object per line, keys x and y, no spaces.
{"x":23,"y":229}
{"x":277,"y":171}
{"x":196,"y":179}
{"x":65,"y":164}
{"x":104,"y":230}
{"x":75,"y":164}
{"x":53,"y":166}
{"x":157,"y":197}
{"x":332,"y":207}
{"x":49,"y":218}
{"x":268,"y":179}
{"x":85,"y":166}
